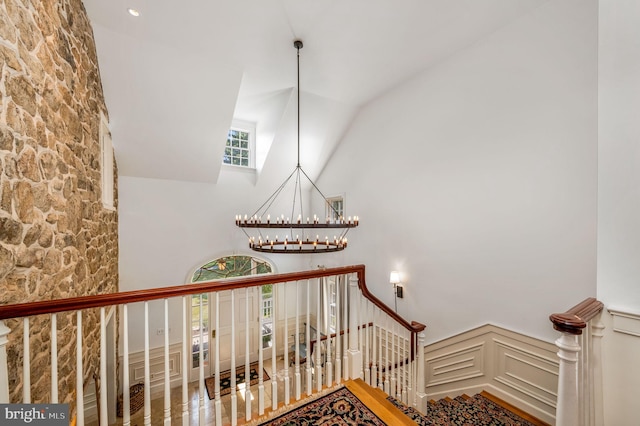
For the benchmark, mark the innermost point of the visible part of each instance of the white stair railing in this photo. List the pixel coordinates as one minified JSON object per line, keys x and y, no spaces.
{"x":580,"y":372}
{"x":334,"y":330}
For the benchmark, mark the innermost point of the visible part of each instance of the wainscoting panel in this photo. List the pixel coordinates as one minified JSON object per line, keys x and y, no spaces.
{"x":456,"y":365}
{"x":625,"y":322}
{"x":526,"y":372}
{"x":156,"y":367}
{"x":519,"y":369}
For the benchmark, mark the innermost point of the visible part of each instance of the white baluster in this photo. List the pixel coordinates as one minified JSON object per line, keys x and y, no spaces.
{"x":307,"y":336}
{"x":355,"y":356}
{"x":54,"y":359}
{"x":421,"y":396}
{"x":274,"y":345}
{"x":367,"y":330}
{"x":387,"y":364}
{"x":234,"y":397}
{"x":567,"y":405}
{"x":104,"y":417}
{"x":247,"y":371}
{"x":318,"y":349}
{"x":126,"y":402}
{"x":597,"y":333}
{"x":26,"y":363}
{"x":405,"y":369}
{"x":260,"y":358}
{"x":392,"y":368}
{"x":374,"y":347}
{"x":346,"y":321}
{"x":338,"y":329}
{"x":4,"y":368}
{"x":218,"y":401}
{"x":359,"y":330}
{"x":380,"y":353}
{"x":167,"y":381}
{"x":185,"y":365}
{"x":328,"y":368}
{"x":287,"y":390}
{"x":79,"y":372}
{"x":296,"y":342}
{"x":147,"y":373}
{"x":411,"y":401}
{"x":201,"y":365}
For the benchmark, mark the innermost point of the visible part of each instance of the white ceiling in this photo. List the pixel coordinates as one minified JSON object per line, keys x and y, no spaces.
{"x":176,"y":76}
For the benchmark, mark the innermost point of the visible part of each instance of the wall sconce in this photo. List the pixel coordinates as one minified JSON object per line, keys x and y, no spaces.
{"x":394,"y":278}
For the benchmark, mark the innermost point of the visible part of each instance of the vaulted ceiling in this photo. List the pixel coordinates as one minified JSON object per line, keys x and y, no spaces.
{"x":175,"y":76}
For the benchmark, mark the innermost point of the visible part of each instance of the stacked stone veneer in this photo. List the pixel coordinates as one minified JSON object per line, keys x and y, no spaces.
{"x":56,"y":238}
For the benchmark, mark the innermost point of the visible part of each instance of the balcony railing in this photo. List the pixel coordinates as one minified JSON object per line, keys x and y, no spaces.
{"x":356,"y":336}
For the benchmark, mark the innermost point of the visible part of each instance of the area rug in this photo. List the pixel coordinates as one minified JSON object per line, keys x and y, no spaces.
{"x":338,"y":408}
{"x":225,"y":379}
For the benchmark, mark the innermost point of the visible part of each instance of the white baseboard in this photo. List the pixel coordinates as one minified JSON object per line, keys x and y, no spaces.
{"x":521,"y":370}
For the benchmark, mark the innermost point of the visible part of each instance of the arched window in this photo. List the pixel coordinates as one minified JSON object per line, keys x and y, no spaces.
{"x":231,"y":266}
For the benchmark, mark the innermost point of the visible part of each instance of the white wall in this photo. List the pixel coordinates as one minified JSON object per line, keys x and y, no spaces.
{"x":619,"y":199}
{"x":169,"y":228}
{"x":477,"y":179}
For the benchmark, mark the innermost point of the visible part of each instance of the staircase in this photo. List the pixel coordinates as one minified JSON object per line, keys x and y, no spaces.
{"x":480,"y":409}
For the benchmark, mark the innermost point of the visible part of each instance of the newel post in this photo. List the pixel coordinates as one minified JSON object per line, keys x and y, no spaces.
{"x":567,"y":411}
{"x":568,"y":404}
{"x":4,"y":371}
{"x":354,"y":354}
{"x":421,"y":395}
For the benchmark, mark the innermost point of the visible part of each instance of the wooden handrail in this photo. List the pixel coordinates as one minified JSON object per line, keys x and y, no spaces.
{"x":103,"y":300}
{"x":576,"y":318}
{"x":413,"y":326}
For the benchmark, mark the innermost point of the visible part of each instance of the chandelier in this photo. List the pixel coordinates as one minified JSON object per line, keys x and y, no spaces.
{"x":297,"y":233}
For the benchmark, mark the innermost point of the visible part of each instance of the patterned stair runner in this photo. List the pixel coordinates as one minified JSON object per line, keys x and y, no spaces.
{"x":463,"y":411}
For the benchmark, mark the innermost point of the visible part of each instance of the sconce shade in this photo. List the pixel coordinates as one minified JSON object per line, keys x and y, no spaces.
{"x":394,"y":277}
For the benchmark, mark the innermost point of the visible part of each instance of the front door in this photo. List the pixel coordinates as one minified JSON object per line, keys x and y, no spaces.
{"x":242,"y":299}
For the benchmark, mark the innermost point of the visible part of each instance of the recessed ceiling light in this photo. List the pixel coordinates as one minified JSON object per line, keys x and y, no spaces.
{"x":133,"y":12}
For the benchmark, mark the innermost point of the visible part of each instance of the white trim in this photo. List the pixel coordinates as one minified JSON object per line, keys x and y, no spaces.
{"x":625,"y":322}
{"x":519,"y":369}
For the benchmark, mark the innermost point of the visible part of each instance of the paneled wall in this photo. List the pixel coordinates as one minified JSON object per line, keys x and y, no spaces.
{"x":519,"y":369}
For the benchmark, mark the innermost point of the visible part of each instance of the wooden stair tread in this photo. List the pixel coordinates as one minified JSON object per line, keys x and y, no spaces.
{"x":376,"y":400}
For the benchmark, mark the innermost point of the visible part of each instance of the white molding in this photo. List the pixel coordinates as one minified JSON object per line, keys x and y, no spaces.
{"x":625,"y":322}
{"x":521,"y":370}
{"x":156,"y":367}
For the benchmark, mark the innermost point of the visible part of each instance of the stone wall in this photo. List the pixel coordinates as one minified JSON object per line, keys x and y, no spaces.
{"x":56,"y":238}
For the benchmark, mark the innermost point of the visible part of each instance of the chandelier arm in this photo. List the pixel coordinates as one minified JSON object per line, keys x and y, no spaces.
{"x":300,"y":192}
{"x":297,"y":186}
{"x":275,"y":194}
{"x":320,"y":192}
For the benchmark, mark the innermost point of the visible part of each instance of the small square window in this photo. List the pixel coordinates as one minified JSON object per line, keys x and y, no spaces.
{"x":335,"y":208}
{"x":240,"y":147}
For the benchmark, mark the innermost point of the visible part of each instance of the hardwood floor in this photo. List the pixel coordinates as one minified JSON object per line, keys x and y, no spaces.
{"x":157,"y":402}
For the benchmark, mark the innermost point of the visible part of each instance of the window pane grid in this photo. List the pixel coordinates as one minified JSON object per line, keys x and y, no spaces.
{"x":237,"y":151}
